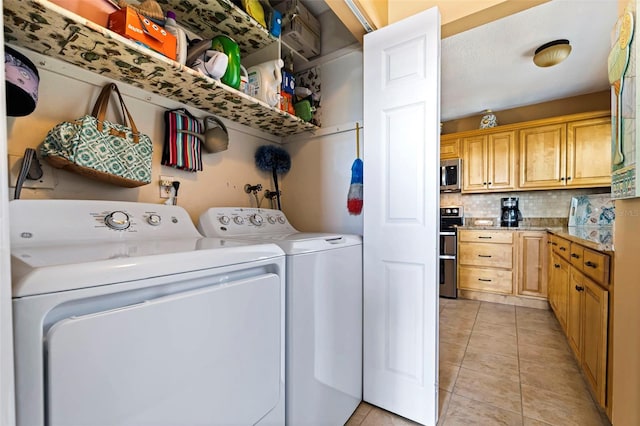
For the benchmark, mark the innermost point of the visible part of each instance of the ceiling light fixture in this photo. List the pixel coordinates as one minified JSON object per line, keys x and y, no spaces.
{"x":359,"y":15}
{"x":552,"y":53}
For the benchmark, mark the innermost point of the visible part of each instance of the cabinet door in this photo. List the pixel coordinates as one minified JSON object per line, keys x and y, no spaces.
{"x":542,"y":156}
{"x":449,"y":149}
{"x":594,"y":352}
{"x":574,"y":311}
{"x":474,"y":164}
{"x":559,"y":288}
{"x":589,"y":152}
{"x":501,"y":158}
{"x":532,"y":271}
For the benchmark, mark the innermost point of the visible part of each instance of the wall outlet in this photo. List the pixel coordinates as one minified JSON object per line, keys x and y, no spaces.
{"x":166,"y":183}
{"x":47,"y":181}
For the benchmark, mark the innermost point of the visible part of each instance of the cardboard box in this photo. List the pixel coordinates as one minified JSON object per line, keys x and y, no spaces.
{"x":288,"y":83}
{"x":95,"y":11}
{"x":301,"y":38}
{"x":293,"y":8}
{"x":132,"y":25}
{"x":286,"y":103}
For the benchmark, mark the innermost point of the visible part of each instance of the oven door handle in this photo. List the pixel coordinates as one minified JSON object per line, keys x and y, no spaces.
{"x":448,"y":233}
{"x":447,"y":257}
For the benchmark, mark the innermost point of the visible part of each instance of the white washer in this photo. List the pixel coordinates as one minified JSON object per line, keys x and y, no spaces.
{"x":324,"y":311}
{"x":125,"y":315}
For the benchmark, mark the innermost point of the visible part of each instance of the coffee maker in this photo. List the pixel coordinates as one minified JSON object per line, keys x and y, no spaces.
{"x":510,"y":212}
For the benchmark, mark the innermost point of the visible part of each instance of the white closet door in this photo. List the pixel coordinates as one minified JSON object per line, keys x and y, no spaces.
{"x":401,"y":115}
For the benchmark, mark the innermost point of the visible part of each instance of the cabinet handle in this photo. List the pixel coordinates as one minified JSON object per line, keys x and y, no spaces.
{"x":563,"y":249}
{"x":490,"y":183}
{"x":575,"y":256}
{"x":556,"y":265}
{"x":484,"y":238}
{"x":484,"y":255}
{"x":554,"y":243}
{"x":484,"y":279}
{"x":590,"y":264}
{"x":579,"y":288}
{"x":561,"y":178}
{"x":569,"y":178}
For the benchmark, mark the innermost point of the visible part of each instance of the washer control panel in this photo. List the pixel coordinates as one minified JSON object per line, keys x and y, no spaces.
{"x":237,"y":221}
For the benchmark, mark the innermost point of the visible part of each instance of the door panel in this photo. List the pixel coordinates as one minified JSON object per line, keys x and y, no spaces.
{"x":596,"y":313}
{"x":501,"y":161}
{"x":401,"y":115}
{"x":474,"y":164}
{"x":589,"y":152}
{"x":542,"y":156}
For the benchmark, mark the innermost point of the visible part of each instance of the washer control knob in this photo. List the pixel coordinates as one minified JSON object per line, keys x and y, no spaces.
{"x":238,"y":220}
{"x":224,"y":220}
{"x":281,"y":219}
{"x":256,"y":219}
{"x":271,"y":219}
{"x":154,"y":219}
{"x":117,"y":220}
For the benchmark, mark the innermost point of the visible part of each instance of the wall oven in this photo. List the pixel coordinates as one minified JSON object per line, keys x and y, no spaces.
{"x":450,"y":219}
{"x":451,"y":175}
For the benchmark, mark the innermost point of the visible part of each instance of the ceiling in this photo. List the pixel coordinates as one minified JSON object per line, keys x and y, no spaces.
{"x":491,"y":66}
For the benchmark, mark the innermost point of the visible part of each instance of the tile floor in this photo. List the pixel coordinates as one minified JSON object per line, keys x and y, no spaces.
{"x":502,"y":365}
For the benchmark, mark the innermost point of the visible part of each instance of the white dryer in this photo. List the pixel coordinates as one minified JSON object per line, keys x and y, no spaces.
{"x":324,"y":311}
{"x":125,"y":315}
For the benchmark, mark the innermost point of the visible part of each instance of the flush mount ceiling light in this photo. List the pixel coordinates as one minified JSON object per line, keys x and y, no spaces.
{"x":552,"y":53}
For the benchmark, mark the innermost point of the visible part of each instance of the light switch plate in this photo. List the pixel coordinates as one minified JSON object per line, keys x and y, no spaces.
{"x":47,"y":181}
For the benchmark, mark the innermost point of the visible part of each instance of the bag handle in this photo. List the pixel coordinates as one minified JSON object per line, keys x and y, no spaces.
{"x":100,"y":109}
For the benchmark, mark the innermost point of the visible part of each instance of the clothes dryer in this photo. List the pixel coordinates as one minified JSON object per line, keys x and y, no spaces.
{"x":323,"y":311}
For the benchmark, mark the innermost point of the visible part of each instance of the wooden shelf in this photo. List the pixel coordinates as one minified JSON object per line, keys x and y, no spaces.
{"x":46,"y":28}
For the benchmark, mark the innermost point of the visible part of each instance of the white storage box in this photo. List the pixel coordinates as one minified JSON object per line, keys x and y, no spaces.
{"x":300,"y":38}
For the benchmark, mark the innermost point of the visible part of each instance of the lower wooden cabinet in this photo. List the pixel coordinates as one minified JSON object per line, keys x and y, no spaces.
{"x":533,"y":263}
{"x":581,"y":304}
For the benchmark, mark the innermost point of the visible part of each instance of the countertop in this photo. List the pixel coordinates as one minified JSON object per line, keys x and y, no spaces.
{"x":594,"y":237}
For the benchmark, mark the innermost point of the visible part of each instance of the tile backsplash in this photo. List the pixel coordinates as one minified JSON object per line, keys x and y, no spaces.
{"x":533,"y":204}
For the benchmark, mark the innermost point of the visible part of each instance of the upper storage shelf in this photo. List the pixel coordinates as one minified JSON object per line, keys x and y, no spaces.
{"x":44,"y":27}
{"x":214,"y":17}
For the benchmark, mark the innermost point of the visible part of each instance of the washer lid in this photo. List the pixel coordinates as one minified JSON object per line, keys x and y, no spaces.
{"x":50,"y":268}
{"x":305,"y":242}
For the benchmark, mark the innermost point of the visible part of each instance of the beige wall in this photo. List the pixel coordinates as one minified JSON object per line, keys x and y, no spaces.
{"x":626,"y":315}
{"x":585,"y":103}
{"x":221,"y":183}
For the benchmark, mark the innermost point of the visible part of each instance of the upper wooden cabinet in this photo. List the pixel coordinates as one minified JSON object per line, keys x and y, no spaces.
{"x":449,"y":148}
{"x":575,"y":153}
{"x":571,"y":151}
{"x":488,"y":162}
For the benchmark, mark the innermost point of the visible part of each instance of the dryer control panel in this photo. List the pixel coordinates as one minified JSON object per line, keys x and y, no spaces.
{"x":240,"y":221}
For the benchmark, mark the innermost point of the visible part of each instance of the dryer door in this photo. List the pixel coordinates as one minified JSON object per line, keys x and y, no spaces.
{"x":191,"y":358}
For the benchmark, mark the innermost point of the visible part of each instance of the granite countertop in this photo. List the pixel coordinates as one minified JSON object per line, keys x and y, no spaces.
{"x":594,"y":237}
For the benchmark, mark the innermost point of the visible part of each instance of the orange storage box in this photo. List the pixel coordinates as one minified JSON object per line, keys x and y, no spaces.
{"x":132,"y":25}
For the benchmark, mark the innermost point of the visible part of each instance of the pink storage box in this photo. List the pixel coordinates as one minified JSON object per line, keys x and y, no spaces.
{"x":97,"y":11}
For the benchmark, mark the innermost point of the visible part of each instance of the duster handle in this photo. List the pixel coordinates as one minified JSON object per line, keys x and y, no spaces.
{"x":357,"y":139}
{"x":275,"y":182}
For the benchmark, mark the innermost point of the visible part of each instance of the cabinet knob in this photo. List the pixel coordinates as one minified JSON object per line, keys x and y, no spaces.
{"x":579,"y":288}
{"x":554,"y":243}
{"x":575,"y":256}
{"x":561,"y":178}
{"x":590,"y":264}
{"x":563,"y":249}
{"x":484,"y":183}
{"x":490,"y":183}
{"x":569,"y":178}
{"x":556,"y":265}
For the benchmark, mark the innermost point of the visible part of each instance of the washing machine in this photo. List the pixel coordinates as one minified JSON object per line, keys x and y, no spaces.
{"x":125,"y":315}
{"x":323,"y":311}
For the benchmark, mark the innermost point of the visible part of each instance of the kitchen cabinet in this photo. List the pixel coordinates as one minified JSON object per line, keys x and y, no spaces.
{"x":559,"y":288}
{"x":532,"y":263}
{"x":488,"y":162}
{"x":485,"y":261}
{"x":570,"y":154}
{"x":46,"y":28}
{"x":449,"y":148}
{"x":582,"y":307}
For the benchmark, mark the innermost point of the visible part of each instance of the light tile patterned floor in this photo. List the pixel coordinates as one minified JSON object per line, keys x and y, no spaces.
{"x":502,"y":365}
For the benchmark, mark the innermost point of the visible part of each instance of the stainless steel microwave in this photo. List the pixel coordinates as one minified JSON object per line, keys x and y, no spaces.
{"x":451,"y":175}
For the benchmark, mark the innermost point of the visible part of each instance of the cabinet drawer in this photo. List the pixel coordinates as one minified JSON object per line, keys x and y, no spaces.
{"x":596,"y":266}
{"x":484,"y":254}
{"x":493,"y":280}
{"x":561,"y":246}
{"x":488,"y":236}
{"x":577,"y":256}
